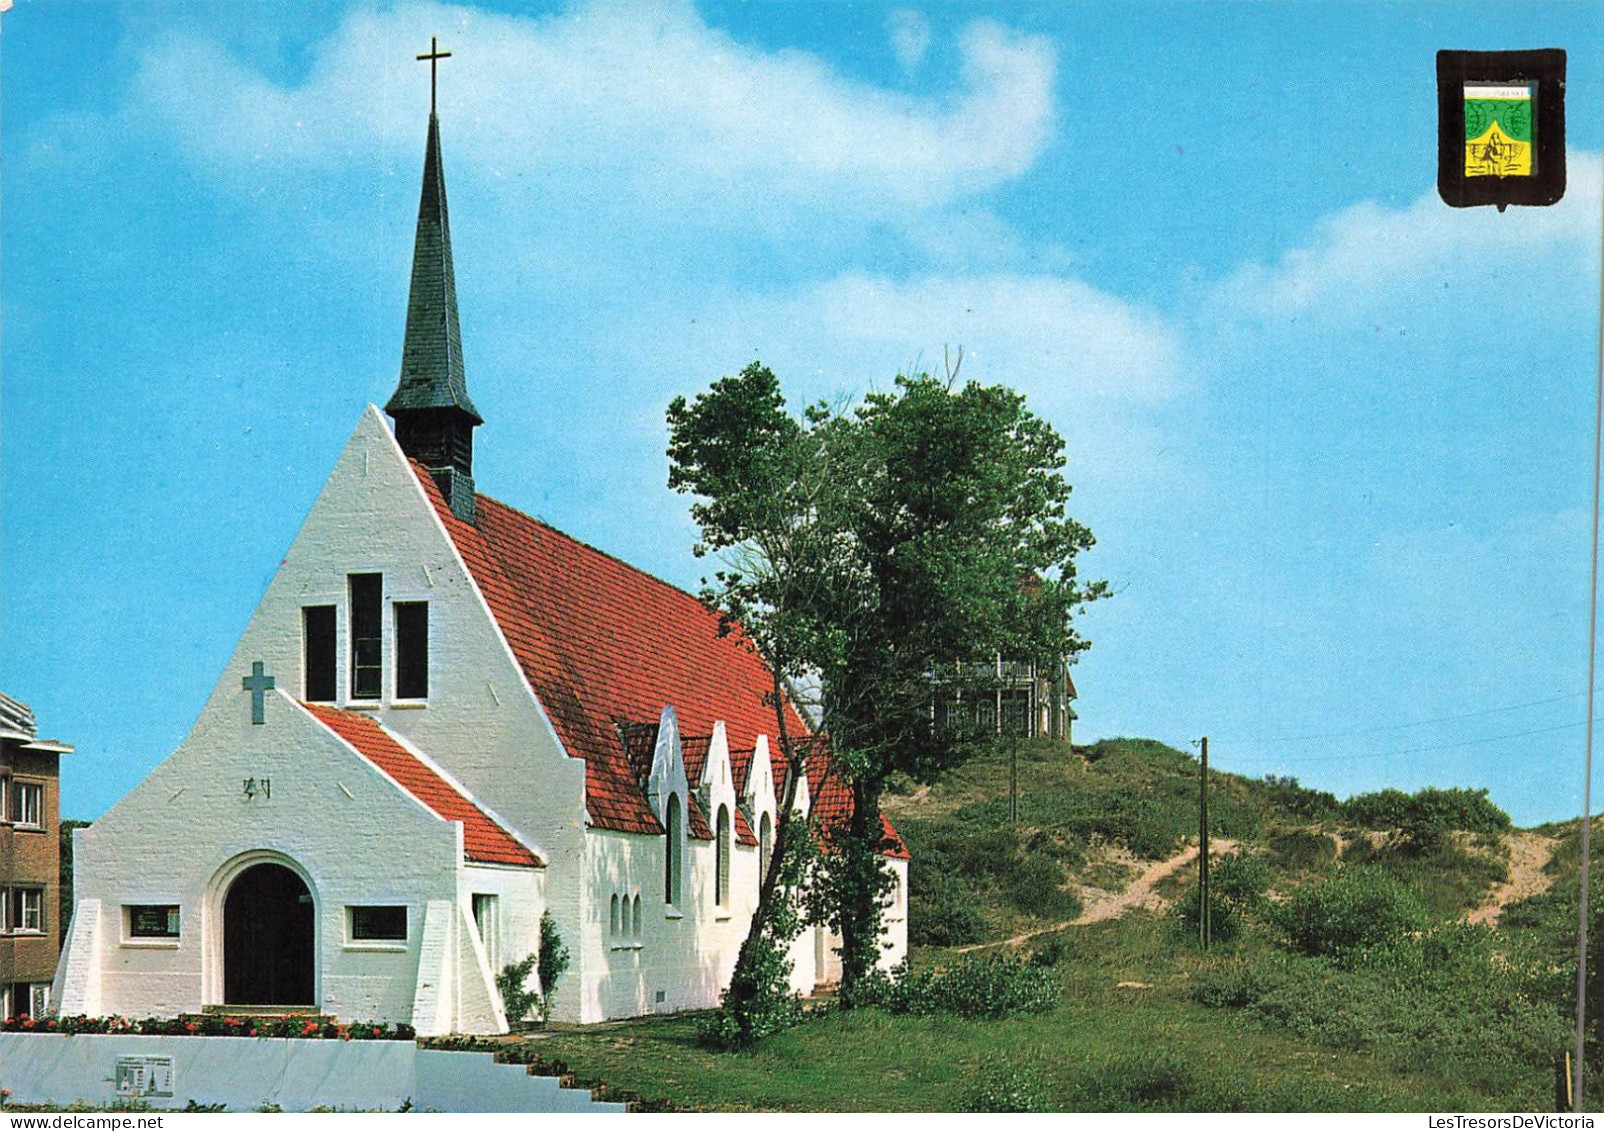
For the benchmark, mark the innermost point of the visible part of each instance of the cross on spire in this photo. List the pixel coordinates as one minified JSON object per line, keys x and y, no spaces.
{"x":434,"y":56}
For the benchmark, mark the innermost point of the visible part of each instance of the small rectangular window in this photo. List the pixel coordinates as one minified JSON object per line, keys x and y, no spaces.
{"x":153,"y":921}
{"x":27,"y":803}
{"x":412,"y":649}
{"x":367,"y":635}
{"x":379,"y":924}
{"x":318,"y":663}
{"x":24,"y":913}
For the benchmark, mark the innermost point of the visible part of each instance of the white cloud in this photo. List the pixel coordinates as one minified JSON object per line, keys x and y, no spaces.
{"x":910,"y":36}
{"x":1058,"y":338}
{"x":1366,"y":255}
{"x":639,"y":99}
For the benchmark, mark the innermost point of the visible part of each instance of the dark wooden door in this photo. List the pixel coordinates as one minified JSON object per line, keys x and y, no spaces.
{"x":267,"y":939}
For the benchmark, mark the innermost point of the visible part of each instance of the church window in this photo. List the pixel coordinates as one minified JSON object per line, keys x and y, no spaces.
{"x":26,"y":803}
{"x":153,"y":921}
{"x":487,"y":919}
{"x":412,"y":649}
{"x":721,"y":895}
{"x":367,"y":635}
{"x":673,"y":853}
{"x":378,"y":924}
{"x":765,"y":848}
{"x":635,"y":919}
{"x":317,"y":653}
{"x":613,"y":920}
{"x":625,"y":927}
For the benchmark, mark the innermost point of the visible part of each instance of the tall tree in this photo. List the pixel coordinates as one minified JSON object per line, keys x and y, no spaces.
{"x":871,"y":548}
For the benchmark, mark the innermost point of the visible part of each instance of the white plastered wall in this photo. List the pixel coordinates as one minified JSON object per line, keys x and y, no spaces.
{"x":481,"y":722}
{"x":188,"y":829}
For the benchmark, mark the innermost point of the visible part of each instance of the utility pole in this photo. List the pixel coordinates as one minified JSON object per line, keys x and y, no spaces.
{"x":1013,"y":780}
{"x":1203,"y":925}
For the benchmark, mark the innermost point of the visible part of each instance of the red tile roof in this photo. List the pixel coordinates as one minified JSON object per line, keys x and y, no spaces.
{"x":831,"y":801}
{"x":741,"y":767}
{"x":605,"y":645}
{"x":743,"y":829}
{"x":693,"y":751}
{"x":699,"y":828}
{"x":483,"y":840}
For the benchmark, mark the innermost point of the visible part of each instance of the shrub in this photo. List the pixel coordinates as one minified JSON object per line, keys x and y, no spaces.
{"x":517,"y":1001}
{"x":554,"y":957}
{"x":1051,"y":951}
{"x":1225,"y":916}
{"x":993,"y":987}
{"x":1301,"y":850}
{"x":1296,"y":800}
{"x":1237,"y":885}
{"x":1033,"y":884}
{"x":942,"y":910}
{"x":1429,"y":814}
{"x":1354,"y":909}
{"x":1240,"y":879}
{"x":1237,"y":984}
{"x":1159,"y":1080}
{"x":1004,"y":1085}
{"x":954,"y":861}
{"x":1442,"y":1000}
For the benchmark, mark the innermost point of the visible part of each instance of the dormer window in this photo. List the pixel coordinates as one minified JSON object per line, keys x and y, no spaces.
{"x":367,"y":635}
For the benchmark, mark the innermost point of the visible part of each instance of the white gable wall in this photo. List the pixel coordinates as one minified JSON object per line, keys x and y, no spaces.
{"x":481,"y":722}
{"x":182,"y":834}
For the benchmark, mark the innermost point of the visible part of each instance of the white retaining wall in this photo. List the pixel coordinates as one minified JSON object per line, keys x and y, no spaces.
{"x":296,"y":1075}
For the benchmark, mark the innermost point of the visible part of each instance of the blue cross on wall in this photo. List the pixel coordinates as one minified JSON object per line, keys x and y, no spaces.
{"x":258,"y":684}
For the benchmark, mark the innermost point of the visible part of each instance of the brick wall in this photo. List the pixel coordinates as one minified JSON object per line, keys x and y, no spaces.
{"x":31,"y":857}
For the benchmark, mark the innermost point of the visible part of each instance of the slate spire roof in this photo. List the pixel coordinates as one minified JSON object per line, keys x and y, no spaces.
{"x":432,"y":374}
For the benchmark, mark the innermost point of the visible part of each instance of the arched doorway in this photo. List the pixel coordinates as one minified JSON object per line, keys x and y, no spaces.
{"x":268,"y":939}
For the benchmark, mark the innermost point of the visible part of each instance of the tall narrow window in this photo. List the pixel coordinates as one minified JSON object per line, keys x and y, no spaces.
{"x":367,"y":635}
{"x":671,"y":852}
{"x":487,"y":918}
{"x":412,"y":649}
{"x":722,"y":895}
{"x":765,"y":849}
{"x":317,"y":653}
{"x":613,"y":921}
{"x":635,"y":918}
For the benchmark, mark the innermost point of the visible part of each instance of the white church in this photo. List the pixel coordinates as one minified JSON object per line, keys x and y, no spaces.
{"x":444,"y":719}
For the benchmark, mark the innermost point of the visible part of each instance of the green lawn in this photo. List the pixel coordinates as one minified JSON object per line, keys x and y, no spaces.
{"x":1104,"y":1048}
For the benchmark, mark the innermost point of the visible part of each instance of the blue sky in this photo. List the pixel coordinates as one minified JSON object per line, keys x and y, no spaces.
{"x":1334,"y":437}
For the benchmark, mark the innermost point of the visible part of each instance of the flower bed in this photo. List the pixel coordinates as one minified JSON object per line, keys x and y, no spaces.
{"x":302,"y":1027}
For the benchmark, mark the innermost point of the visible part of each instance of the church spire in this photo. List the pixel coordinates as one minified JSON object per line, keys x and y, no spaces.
{"x":434,"y":419}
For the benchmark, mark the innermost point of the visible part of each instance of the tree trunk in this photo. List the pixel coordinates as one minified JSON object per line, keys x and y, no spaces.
{"x":862,"y":885}
{"x":743,"y":998}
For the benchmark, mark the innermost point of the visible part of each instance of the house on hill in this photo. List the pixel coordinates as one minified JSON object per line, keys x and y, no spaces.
{"x":445,"y":719}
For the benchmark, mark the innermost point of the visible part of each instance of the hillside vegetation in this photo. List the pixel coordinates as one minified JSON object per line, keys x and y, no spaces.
{"x":1344,"y":975}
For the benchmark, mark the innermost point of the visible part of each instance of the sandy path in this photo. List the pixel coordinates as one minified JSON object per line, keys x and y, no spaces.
{"x":1528,"y":855}
{"x":1101,"y":905}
